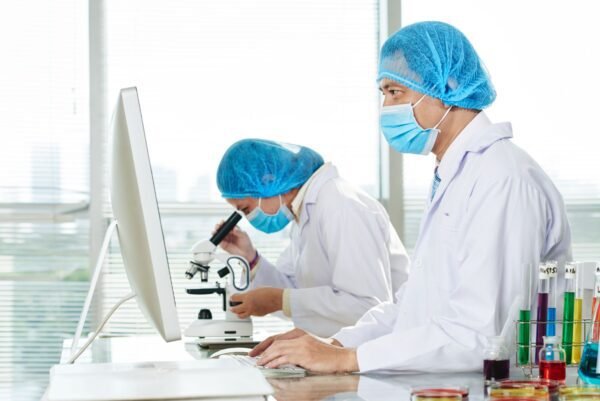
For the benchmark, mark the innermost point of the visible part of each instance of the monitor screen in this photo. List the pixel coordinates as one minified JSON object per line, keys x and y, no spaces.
{"x":139,"y":226}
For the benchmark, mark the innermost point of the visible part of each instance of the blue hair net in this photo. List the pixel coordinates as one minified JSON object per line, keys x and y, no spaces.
{"x":437,"y":60}
{"x":257,"y":168}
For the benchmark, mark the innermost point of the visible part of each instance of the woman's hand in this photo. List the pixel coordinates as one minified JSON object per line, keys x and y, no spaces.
{"x":237,"y":242}
{"x":258,"y":302}
{"x":311,"y":353}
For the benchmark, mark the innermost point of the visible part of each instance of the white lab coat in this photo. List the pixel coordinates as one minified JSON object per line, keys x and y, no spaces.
{"x":495,"y":209}
{"x":344,"y":257}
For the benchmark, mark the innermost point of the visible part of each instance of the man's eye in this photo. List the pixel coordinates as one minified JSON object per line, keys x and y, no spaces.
{"x":395,"y":92}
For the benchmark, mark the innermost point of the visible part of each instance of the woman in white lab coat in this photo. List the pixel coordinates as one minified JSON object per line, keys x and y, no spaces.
{"x":344,"y":255}
{"x":491,"y":210}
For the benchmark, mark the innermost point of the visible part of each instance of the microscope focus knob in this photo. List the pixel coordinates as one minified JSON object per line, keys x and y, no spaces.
{"x":204,"y":314}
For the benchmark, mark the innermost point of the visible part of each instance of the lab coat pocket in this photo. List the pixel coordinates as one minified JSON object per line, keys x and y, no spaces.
{"x":447,"y":259}
{"x":448,"y":229}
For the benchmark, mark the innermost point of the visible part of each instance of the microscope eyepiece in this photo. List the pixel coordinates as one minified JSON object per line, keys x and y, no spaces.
{"x":226,"y":228}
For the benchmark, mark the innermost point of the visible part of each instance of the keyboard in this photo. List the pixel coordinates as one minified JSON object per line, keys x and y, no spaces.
{"x":250,"y":361}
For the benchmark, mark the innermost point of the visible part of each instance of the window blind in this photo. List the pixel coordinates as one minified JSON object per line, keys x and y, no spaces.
{"x":542,"y":74}
{"x":211,"y":73}
{"x":43,"y":187}
{"x":208,"y":73}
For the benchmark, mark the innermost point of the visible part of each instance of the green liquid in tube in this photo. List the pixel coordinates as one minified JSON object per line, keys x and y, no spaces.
{"x":524,"y":338}
{"x":568,"y":314}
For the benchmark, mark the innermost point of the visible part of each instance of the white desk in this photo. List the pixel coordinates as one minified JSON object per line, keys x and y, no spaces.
{"x":141,"y":349}
{"x":371,"y":387}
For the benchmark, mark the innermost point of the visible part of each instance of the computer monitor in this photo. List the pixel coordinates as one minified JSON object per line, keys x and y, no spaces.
{"x":145,"y":257}
{"x":138,"y":219}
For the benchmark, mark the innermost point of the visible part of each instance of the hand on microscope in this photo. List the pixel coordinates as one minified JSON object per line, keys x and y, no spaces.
{"x":237,"y":242}
{"x":258,"y":302}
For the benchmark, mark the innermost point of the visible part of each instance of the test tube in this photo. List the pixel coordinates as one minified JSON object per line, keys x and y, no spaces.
{"x":596,"y":306}
{"x":568,"y":306}
{"x":552,"y":267}
{"x":542,"y":309}
{"x":578,"y":315}
{"x":542,"y":312}
{"x":595,"y":324}
{"x":524,"y":337}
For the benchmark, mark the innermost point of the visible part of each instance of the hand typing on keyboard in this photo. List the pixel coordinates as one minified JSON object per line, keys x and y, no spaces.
{"x":313,"y":353}
{"x":250,"y":361}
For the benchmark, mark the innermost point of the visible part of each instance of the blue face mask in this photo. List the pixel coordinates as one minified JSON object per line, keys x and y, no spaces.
{"x":403,"y":132}
{"x":270,"y":223}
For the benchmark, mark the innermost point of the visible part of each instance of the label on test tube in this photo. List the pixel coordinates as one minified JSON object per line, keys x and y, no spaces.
{"x":552,"y":269}
{"x":597,"y":291}
{"x":544,"y":272}
{"x":570,"y":271}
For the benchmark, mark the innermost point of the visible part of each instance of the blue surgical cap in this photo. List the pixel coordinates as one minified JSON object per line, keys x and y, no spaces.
{"x":437,"y":60}
{"x":257,"y":168}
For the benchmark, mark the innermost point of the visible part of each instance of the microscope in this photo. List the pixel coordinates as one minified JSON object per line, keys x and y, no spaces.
{"x":232,"y":329}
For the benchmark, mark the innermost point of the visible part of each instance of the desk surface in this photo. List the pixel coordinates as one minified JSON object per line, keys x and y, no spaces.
{"x":368,"y":387}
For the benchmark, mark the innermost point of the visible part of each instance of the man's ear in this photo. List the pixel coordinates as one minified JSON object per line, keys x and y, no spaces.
{"x":291,"y":194}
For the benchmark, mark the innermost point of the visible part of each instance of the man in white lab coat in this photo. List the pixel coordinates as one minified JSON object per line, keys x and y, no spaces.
{"x":490,"y":211}
{"x":344,"y":255}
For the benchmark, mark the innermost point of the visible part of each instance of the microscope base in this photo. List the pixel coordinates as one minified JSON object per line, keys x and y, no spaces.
{"x":220,"y":328}
{"x":217,"y":343}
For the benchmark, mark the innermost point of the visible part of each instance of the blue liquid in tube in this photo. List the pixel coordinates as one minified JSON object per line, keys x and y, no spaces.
{"x":551,"y":327}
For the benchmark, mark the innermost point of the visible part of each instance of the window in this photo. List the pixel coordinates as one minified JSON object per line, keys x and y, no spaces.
{"x":43,"y":187}
{"x":542,"y":61}
{"x":208,"y":74}
{"x":211,"y":73}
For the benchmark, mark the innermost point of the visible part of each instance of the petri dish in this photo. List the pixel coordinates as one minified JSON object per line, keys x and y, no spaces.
{"x":463,"y":391}
{"x":524,"y":391}
{"x":552,"y":385}
{"x":439,"y":394}
{"x":579,"y":393}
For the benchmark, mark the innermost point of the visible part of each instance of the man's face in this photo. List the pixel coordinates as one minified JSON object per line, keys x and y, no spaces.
{"x":247,"y":205}
{"x":429,"y":111}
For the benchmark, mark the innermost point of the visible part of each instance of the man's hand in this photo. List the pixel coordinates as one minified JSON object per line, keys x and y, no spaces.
{"x":259,"y":349}
{"x":312,"y":354}
{"x":237,"y":242}
{"x":259,"y":302}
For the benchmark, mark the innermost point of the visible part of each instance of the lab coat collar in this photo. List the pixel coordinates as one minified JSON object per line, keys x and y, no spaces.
{"x":299,"y":198}
{"x":477,"y":136}
{"x":325,"y":173}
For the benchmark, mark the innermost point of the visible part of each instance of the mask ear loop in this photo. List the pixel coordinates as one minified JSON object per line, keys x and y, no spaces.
{"x":443,"y":117}
{"x":281,"y":205}
{"x":419,"y":101}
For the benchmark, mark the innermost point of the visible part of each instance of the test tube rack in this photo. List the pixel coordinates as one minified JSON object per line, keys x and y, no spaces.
{"x":531,"y":348}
